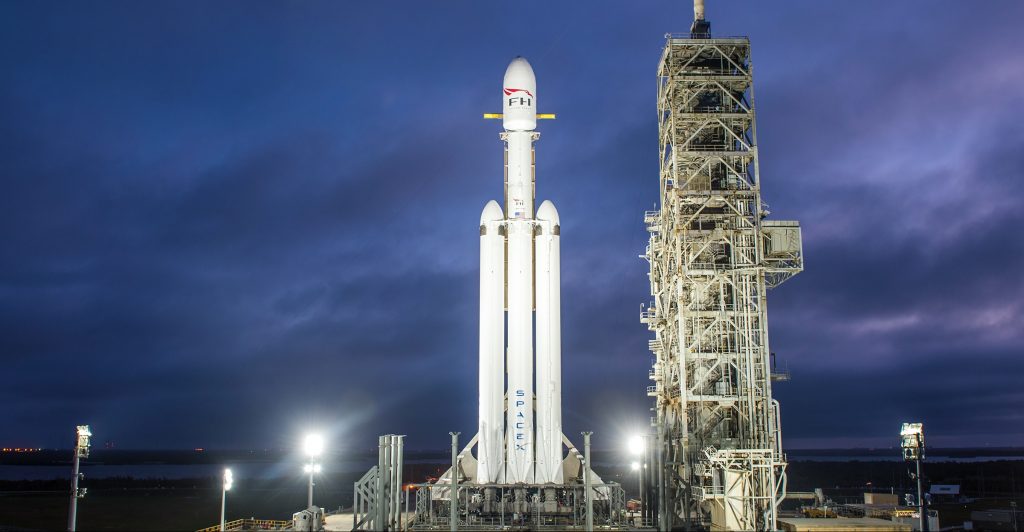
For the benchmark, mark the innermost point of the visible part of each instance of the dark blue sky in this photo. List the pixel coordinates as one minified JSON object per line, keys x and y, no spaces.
{"x":224,"y":223}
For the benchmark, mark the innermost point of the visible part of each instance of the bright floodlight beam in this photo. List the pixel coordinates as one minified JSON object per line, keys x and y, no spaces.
{"x":313,"y":446}
{"x":636,"y":445}
{"x":229,"y":481}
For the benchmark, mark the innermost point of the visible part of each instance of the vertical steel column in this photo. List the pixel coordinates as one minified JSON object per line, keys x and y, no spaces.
{"x":396,"y":479}
{"x":453,"y":497}
{"x":923,"y":509}
{"x":663,"y":504}
{"x":378,"y":514}
{"x":587,"y":479}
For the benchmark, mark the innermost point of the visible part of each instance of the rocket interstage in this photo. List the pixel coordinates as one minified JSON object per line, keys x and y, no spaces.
{"x":520,"y":431}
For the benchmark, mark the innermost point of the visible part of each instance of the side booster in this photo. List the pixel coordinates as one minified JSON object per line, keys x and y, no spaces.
{"x":514,"y":445}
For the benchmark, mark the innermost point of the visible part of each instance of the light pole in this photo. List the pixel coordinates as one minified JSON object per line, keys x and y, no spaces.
{"x":314,"y":447}
{"x":637,"y":447}
{"x":82,"y":435}
{"x":587,"y":481}
{"x":225,"y":487}
{"x":453,"y":493}
{"x":635,"y":466}
{"x":912,"y":442}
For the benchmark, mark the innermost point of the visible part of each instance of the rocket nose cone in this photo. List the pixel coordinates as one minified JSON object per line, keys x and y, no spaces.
{"x":548,"y":212}
{"x":520,"y":96}
{"x":520,"y":73}
{"x":491,"y":213}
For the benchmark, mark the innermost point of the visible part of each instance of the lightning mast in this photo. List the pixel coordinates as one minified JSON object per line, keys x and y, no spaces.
{"x":712,"y":258}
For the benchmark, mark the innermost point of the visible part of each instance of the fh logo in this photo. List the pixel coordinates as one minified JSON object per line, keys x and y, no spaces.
{"x":520,"y":418}
{"x":519,"y":100}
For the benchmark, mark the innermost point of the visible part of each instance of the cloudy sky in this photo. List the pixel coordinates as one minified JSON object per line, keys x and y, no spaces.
{"x":222,"y":224}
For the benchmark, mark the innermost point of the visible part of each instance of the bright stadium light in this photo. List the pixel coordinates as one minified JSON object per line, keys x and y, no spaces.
{"x":229,"y":480}
{"x":635,"y":466}
{"x":314,"y":445}
{"x":912,"y":441}
{"x":636,"y":445}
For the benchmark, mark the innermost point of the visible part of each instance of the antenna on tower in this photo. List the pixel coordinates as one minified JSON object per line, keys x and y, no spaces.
{"x":700,"y":29}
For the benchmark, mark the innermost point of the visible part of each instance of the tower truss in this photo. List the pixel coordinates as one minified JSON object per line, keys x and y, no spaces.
{"x":712,"y":257}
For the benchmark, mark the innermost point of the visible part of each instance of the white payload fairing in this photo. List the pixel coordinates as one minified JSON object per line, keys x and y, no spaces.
{"x":520,"y":432}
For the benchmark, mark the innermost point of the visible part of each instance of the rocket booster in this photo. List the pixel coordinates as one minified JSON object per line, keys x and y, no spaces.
{"x":522,"y":447}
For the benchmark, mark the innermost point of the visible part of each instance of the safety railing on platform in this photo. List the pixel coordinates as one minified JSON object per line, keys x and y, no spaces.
{"x":250,"y":524}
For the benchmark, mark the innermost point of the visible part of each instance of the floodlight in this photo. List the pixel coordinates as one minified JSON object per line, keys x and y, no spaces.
{"x":634,"y":466}
{"x":229,"y":479}
{"x":912,"y":441}
{"x":636,"y":445}
{"x":308,"y":468}
{"x":314,"y":445}
{"x":82,"y":433}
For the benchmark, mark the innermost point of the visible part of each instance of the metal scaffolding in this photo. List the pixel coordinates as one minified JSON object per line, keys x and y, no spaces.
{"x":712,"y":256}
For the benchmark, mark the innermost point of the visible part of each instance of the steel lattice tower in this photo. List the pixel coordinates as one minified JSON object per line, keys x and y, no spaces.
{"x":712,"y":256}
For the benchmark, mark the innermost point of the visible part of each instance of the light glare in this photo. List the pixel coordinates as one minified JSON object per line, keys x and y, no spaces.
{"x":636,"y":445}
{"x":314,"y":445}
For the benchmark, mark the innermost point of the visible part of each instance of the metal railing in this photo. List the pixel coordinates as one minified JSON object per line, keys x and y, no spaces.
{"x":250,"y":524}
{"x":688,"y":37}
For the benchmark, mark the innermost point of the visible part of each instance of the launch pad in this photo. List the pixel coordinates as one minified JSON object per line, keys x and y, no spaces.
{"x":582,"y":502}
{"x":519,"y":507}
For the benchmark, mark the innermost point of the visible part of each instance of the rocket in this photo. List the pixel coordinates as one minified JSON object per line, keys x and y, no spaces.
{"x":520,"y":427}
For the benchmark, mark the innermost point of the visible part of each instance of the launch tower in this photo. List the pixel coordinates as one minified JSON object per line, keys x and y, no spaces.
{"x":712,"y":258}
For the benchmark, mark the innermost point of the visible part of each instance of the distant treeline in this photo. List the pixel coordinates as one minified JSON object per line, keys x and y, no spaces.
{"x":111,"y":483}
{"x":976,"y":479}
